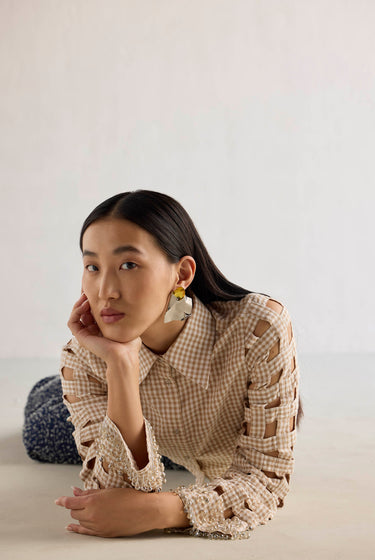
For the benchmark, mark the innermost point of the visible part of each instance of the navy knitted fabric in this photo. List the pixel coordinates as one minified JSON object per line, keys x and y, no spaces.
{"x":46,"y":434}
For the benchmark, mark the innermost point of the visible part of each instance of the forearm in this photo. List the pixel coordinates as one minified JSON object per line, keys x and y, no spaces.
{"x":125,"y":410}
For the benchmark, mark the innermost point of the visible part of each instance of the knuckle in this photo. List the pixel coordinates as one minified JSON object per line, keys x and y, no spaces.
{"x":91,"y":517}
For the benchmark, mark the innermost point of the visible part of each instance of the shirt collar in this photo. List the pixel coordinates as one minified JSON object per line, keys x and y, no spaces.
{"x":191,"y":352}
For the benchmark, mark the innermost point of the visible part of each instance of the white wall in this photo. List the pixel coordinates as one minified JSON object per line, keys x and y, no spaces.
{"x":258,"y":116}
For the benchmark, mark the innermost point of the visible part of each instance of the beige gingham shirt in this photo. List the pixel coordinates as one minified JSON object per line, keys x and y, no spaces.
{"x":206,"y":403}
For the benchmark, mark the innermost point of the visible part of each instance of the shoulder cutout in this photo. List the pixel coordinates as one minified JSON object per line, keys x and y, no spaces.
{"x":275,"y":305}
{"x":262,"y":326}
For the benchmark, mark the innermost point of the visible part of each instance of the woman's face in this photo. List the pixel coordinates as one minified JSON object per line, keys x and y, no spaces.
{"x":123,"y":268}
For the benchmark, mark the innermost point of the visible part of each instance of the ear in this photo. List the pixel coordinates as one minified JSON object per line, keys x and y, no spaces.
{"x":185,"y":272}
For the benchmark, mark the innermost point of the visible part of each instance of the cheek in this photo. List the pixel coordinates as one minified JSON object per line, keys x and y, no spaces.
{"x":161,"y":294}
{"x":151,"y":293}
{"x":89,"y":289}
{"x":85,"y":285}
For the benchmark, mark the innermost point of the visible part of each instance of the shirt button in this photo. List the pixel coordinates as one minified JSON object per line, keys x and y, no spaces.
{"x":177,"y":431}
{"x":168,"y":381}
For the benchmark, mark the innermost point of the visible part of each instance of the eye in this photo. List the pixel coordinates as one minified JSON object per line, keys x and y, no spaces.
{"x":129,"y":265}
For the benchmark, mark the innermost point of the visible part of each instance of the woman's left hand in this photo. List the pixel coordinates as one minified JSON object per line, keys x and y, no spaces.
{"x":111,"y":512}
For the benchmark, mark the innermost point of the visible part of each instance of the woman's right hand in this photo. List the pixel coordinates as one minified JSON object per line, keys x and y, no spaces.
{"x":84,"y":327}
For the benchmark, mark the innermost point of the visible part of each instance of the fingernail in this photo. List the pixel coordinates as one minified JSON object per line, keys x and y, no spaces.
{"x":56,"y":502}
{"x":68,"y":528}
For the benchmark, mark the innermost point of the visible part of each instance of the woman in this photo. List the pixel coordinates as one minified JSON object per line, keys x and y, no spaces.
{"x":170,"y":358}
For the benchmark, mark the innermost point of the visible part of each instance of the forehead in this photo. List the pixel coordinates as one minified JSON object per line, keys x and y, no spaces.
{"x":106,"y":234}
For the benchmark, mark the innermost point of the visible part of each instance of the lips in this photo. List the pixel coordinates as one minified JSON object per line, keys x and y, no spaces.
{"x":110,"y":315}
{"x":108,"y":311}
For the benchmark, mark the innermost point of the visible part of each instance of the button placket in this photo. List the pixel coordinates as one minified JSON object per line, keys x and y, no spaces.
{"x":171,"y":381}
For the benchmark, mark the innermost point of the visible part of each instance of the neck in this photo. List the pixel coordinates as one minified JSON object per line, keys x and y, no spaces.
{"x":162,"y":337}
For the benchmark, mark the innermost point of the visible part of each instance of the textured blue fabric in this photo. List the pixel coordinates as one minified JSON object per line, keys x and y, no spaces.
{"x":46,"y":434}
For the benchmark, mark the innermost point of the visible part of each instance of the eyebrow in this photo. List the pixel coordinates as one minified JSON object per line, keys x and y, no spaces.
{"x":117,"y":251}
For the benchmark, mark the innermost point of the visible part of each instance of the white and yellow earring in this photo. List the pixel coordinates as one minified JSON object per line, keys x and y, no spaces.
{"x":179,"y":307}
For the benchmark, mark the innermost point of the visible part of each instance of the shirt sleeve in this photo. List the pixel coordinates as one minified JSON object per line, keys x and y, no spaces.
{"x":257,"y":481}
{"x":97,"y":438}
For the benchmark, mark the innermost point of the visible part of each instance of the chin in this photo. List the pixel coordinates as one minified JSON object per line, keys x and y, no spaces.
{"x":119,"y":336}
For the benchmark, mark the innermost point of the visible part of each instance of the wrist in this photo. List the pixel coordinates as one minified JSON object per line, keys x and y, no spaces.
{"x":123,"y":366}
{"x":170,"y":511}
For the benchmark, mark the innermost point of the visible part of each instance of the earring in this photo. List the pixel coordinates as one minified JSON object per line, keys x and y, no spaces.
{"x":179,"y":306}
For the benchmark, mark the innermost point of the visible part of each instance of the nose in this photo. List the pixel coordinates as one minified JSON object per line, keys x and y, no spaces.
{"x":109,"y":287}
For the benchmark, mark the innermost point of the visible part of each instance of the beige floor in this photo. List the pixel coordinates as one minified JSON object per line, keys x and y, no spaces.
{"x":328,"y":514}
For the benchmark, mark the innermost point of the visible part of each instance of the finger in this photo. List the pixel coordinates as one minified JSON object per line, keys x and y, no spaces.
{"x":80,"y":306}
{"x":80,"y":515}
{"x":84,"y":307}
{"x":69,"y":502}
{"x":88,"y":319}
{"x":85,"y":492}
{"x":78,"y":310}
{"x":81,"y":299}
{"x":85,"y":326}
{"x":73,"y":528}
{"x":75,"y":324}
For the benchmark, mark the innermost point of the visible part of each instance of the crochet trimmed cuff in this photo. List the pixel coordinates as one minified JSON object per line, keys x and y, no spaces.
{"x":205,"y":510}
{"x":113,"y":449}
